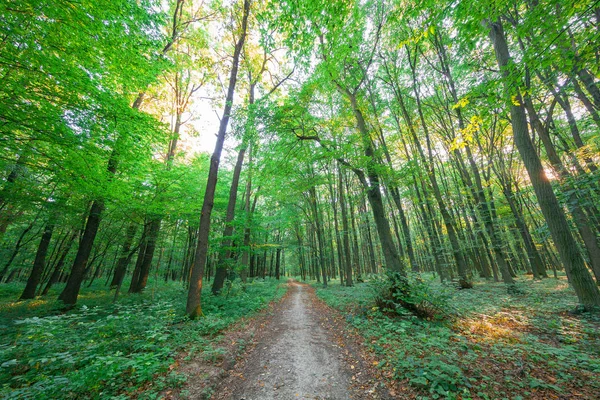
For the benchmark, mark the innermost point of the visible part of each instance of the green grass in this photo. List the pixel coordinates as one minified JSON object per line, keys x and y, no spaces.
{"x":118,"y":351}
{"x":493,"y":345}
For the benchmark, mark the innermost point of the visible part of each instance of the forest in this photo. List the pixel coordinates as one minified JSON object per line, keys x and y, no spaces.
{"x":366,"y":199}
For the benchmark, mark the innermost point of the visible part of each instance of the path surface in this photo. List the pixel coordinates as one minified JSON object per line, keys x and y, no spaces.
{"x":295,"y":358}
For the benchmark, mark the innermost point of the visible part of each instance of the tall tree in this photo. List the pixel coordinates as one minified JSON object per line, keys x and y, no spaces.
{"x":579,"y":276}
{"x":193,"y":307}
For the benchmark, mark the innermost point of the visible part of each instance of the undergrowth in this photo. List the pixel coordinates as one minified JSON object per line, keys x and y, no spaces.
{"x":111,"y":351}
{"x":412,"y":294}
{"x":482,"y":343}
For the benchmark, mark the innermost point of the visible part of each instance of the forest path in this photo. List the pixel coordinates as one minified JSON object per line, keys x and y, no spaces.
{"x":298,"y":356}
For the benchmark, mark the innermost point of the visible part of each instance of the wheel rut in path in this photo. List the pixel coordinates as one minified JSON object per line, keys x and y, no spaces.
{"x":294,"y":358}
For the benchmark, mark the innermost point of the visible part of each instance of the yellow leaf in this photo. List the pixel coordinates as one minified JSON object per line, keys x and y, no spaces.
{"x":462,"y":103}
{"x":515,"y":101}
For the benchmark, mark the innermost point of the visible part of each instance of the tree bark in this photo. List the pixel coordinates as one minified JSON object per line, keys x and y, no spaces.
{"x":125,"y":256}
{"x":587,"y":292}
{"x":59,"y":264}
{"x":584,"y":226}
{"x":461,"y":264}
{"x":346,"y":234}
{"x":390,"y":253}
{"x":193,"y":307}
{"x":135,"y":276}
{"x":148,"y":255}
{"x":318,"y":229}
{"x":69,"y":294}
{"x":15,"y":250}
{"x":278,"y":264}
{"x":475,"y":187}
{"x":588,"y":81}
{"x":222,"y":267}
{"x":38,"y":264}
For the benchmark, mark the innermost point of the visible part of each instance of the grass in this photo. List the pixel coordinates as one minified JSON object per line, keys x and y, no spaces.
{"x":113,"y":351}
{"x":493,"y":345}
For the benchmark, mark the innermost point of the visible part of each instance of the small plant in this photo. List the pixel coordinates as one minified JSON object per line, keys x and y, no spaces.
{"x":213,"y":354}
{"x":399,"y":293}
{"x":435,"y":375}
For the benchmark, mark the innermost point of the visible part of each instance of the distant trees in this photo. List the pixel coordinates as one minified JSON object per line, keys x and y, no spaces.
{"x":427,"y":99}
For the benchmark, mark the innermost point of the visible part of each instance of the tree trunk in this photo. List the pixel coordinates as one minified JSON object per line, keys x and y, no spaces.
{"x":346,"y":233}
{"x":355,"y":253}
{"x":69,"y":294}
{"x":222,"y":267}
{"x":476,"y":187}
{"x":59,"y":264}
{"x":15,"y":250}
{"x":584,"y":225}
{"x":588,"y":81}
{"x":278,"y":264}
{"x":193,"y":307}
{"x":301,"y":253}
{"x":461,"y":264}
{"x":318,"y":228}
{"x":135,"y":276}
{"x":537,"y":265}
{"x":148,"y":255}
{"x":586,"y":102}
{"x":338,"y":240}
{"x":390,"y":253}
{"x":71,"y":290}
{"x":579,"y":277}
{"x":38,"y":264}
{"x":6,"y":208}
{"x":125,"y":256}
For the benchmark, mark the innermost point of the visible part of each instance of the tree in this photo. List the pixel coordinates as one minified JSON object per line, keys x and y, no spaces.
{"x":193,"y":307}
{"x":580,"y":278}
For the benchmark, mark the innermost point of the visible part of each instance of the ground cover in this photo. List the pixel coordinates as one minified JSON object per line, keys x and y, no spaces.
{"x":105,"y":350}
{"x":486,"y":344}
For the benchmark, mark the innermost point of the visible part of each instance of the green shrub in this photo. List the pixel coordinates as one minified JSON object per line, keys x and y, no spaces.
{"x":413,"y":293}
{"x":433,"y":374}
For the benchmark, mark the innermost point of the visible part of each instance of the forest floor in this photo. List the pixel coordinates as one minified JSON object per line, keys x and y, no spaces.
{"x":124,"y":350}
{"x":269,"y":340}
{"x":300,"y":348}
{"x":486,"y":343}
{"x":337,"y":343}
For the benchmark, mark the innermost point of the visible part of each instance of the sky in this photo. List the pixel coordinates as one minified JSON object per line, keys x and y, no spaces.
{"x":205,"y":126}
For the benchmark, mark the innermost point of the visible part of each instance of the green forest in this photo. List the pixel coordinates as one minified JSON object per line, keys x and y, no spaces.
{"x":324,"y":199}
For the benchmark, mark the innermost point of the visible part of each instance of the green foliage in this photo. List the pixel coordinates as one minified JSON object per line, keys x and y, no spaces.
{"x":540,"y":347}
{"x":434,"y":374}
{"x":104,"y":350}
{"x":413,"y":293}
{"x":70,"y":73}
{"x":423,"y":77}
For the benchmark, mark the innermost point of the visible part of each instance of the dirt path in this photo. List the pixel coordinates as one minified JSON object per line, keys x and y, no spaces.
{"x":298,"y":356}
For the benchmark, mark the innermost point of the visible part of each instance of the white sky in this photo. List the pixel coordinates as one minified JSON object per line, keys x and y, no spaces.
{"x":205,"y":122}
